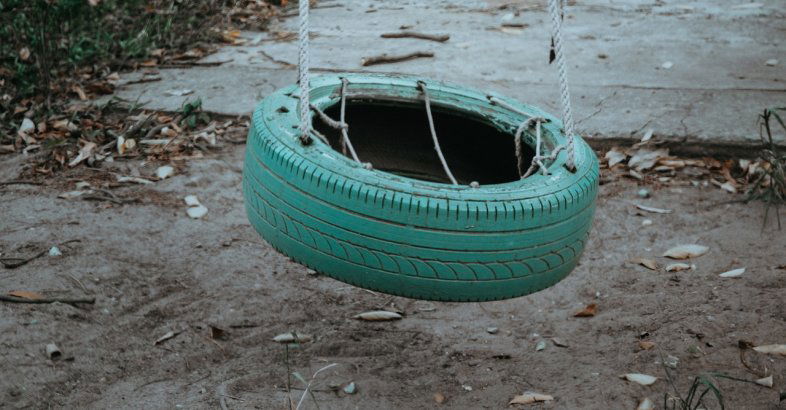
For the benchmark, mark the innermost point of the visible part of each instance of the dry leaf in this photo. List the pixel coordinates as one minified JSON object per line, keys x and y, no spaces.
{"x":646,"y":404}
{"x":558,"y":342}
{"x":647,"y":263}
{"x":71,"y":194}
{"x":765,"y":381}
{"x":24,"y":294}
{"x":27,"y":126}
{"x":673,"y":163}
{"x":588,"y":311}
{"x":84,"y":153}
{"x":646,"y":344}
{"x":292,"y":337}
{"x":653,"y":210}
{"x":647,"y":135}
{"x":733,"y":273}
{"x":728,"y":187}
{"x":646,"y":158}
{"x":529,"y":398}
{"x":642,"y":379}
{"x":64,"y":125}
{"x":168,"y":335}
{"x":378,"y":315}
{"x":615,"y":156}
{"x":771,"y":349}
{"x":179,"y":93}
{"x":135,"y":180}
{"x":677,"y":267}
{"x":79,"y":92}
{"x":686,"y":251}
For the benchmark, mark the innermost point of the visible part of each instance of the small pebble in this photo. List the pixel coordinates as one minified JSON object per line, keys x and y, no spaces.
{"x":467,"y":387}
{"x":55,"y":251}
{"x":439,"y":398}
{"x":667,"y":65}
{"x":350,"y":388}
{"x":643,"y":193}
{"x":771,"y":62}
{"x":492,"y":330}
{"x":646,"y":222}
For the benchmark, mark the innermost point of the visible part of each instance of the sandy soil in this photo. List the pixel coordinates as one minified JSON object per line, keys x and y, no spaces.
{"x":154,"y":270}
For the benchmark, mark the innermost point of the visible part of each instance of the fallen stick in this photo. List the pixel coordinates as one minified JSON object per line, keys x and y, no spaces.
{"x":440,"y":38}
{"x":176,"y":64}
{"x":24,"y":261}
{"x":386,"y":58}
{"x":70,"y":301}
{"x":141,"y":81}
{"x":20,"y":182}
{"x":21,"y":261}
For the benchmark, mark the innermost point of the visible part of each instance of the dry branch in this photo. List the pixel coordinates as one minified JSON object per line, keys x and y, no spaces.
{"x":440,"y":38}
{"x":387,"y":58}
{"x":70,"y":301}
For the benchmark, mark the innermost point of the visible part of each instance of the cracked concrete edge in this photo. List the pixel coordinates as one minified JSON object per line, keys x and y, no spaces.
{"x":686,"y":148}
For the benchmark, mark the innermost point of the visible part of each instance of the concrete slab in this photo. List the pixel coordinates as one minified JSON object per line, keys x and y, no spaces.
{"x":717,"y":83}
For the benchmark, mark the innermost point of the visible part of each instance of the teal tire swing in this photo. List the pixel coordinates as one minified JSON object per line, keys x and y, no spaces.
{"x":382,"y":225}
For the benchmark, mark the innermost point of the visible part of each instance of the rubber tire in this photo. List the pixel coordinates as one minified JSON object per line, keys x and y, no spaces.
{"x":409,"y":237}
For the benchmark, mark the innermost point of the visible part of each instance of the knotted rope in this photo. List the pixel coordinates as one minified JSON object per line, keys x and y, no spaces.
{"x":556,"y":12}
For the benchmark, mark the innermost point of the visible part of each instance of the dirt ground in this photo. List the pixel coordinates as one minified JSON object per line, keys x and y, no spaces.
{"x":154,"y":270}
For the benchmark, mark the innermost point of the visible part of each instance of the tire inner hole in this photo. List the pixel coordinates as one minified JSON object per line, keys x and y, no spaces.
{"x":394,"y":137}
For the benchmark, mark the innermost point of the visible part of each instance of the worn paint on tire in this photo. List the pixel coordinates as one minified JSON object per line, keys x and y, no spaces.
{"x":409,"y":237}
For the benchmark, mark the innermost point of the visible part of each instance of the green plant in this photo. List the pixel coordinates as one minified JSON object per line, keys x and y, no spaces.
{"x":192,"y":113}
{"x":696,"y":396}
{"x":770,"y":182}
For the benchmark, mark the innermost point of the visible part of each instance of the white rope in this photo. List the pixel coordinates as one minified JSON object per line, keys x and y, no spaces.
{"x":422,"y":87}
{"x":344,"y":133}
{"x":555,"y":10}
{"x":303,"y":66}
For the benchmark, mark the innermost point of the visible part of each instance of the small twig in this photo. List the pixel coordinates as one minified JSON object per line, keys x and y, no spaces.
{"x":20,"y":182}
{"x":387,"y":58}
{"x":21,"y":261}
{"x":440,"y":38}
{"x":78,"y":282}
{"x":70,"y":301}
{"x":155,"y":130}
{"x":283,"y":63}
{"x":141,"y":81}
{"x":193,"y":64}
